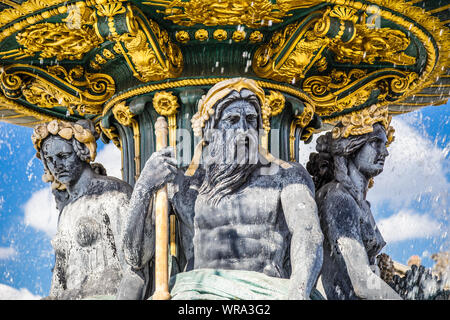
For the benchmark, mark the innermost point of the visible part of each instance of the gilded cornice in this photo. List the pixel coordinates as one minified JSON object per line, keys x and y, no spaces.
{"x":326,"y":48}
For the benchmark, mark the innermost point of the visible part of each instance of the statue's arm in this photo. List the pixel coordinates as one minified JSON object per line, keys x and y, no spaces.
{"x":138,"y":242}
{"x":306,"y":254}
{"x":138,"y":239}
{"x":343,"y":231}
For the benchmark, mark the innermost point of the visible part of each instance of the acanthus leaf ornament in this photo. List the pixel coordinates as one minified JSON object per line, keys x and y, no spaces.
{"x":149,"y":60}
{"x":253,"y":14}
{"x":40,"y":39}
{"x":146,"y":48}
{"x":75,"y":90}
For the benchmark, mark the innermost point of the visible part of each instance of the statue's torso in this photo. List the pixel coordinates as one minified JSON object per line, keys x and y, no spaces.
{"x":86,"y":246}
{"x":246,"y":231}
{"x":335,"y":277}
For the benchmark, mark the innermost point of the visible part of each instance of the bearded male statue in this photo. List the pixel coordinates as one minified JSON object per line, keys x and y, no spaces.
{"x":248,"y":222}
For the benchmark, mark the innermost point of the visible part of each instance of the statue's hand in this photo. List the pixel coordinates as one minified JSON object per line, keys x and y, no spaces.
{"x":159,"y":169}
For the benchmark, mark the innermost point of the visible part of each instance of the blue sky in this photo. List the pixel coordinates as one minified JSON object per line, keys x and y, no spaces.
{"x":409,"y":199}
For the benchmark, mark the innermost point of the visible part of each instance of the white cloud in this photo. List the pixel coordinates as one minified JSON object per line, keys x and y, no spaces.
{"x":10,"y":293}
{"x":406,"y":225}
{"x":414,"y":168}
{"x":7,"y":253}
{"x":40,"y":212}
{"x":109,"y":156}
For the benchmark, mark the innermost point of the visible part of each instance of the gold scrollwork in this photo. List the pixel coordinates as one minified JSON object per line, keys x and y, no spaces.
{"x":254,"y":14}
{"x":287,"y":59}
{"x":112,"y":134}
{"x":85,"y":92}
{"x":272,"y":61}
{"x":326,"y":90}
{"x":370,"y":45}
{"x":275,"y":102}
{"x":150,"y":57}
{"x":72,"y":44}
{"x":198,"y":82}
{"x":147,"y":64}
{"x":427,"y":29}
{"x":123,"y":114}
{"x":9,"y":104}
{"x":273,"y":106}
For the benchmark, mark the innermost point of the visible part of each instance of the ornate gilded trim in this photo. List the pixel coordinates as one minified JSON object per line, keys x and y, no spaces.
{"x":341,"y":90}
{"x":253,"y":14}
{"x":166,"y":104}
{"x":9,"y":104}
{"x":436,"y":64}
{"x":146,"y":48}
{"x":75,"y":89}
{"x":301,"y":121}
{"x":149,"y":60}
{"x":286,"y":59}
{"x":273,"y":106}
{"x":125,"y":117}
{"x":112,"y":135}
{"x":198,"y":82}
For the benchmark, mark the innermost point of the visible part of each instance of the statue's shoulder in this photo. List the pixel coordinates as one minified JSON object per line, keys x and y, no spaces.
{"x":103,"y":184}
{"x":295,"y":173}
{"x":333,"y":199}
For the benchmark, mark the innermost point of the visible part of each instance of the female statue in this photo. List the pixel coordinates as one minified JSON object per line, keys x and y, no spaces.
{"x":347,"y":160}
{"x":88,"y":254}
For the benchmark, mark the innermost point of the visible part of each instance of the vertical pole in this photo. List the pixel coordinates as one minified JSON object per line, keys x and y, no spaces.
{"x":161,"y":224}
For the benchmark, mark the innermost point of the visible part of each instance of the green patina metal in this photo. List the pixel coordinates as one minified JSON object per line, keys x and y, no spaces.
{"x":136,"y":38}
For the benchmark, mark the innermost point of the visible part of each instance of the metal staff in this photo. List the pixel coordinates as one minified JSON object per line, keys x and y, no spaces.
{"x":161,"y":224}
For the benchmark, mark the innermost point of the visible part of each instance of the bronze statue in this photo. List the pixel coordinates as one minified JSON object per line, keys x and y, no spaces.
{"x":347,"y":159}
{"x":87,"y":244}
{"x":248,"y":221}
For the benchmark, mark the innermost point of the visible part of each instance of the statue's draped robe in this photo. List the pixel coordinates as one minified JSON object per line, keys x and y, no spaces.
{"x":215,"y":284}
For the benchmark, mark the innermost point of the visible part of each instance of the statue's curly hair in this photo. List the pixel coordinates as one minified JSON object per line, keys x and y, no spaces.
{"x":80,"y":149}
{"x":331,"y":160}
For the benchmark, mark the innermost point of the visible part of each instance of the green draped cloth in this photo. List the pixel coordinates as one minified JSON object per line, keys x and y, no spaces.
{"x":214,"y":284}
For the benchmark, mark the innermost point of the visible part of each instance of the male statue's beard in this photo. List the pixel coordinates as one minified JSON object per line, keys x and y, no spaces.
{"x":230,"y":162}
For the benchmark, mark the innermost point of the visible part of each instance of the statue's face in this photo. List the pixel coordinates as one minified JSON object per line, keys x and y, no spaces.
{"x":370,"y":158}
{"x":61,"y":160}
{"x":238,"y":125}
{"x":232,"y":150}
{"x":239,"y":114}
